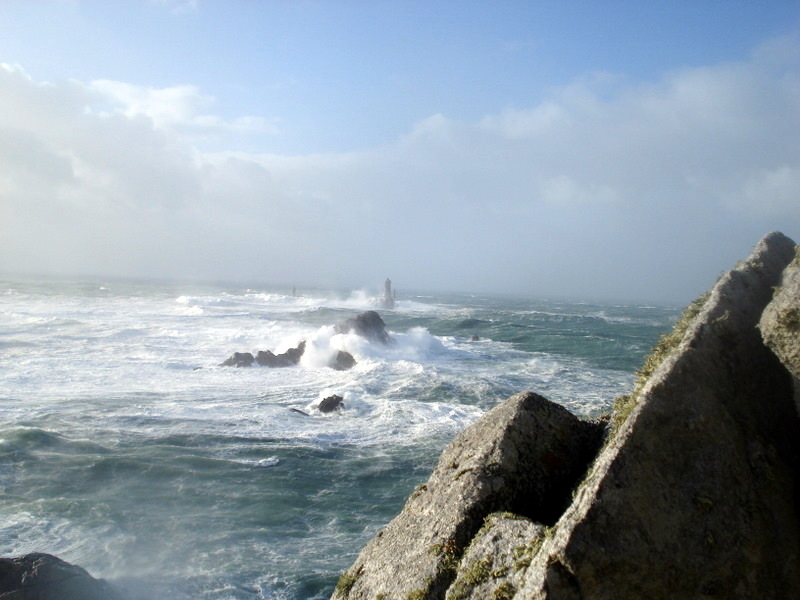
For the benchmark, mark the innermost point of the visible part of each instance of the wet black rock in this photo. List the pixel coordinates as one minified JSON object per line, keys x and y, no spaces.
{"x":286,"y":359}
{"x":368,"y":325}
{"x":238,"y":359}
{"x":331,"y":403}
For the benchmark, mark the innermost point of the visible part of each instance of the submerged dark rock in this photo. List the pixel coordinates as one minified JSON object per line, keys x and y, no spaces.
{"x":46,"y":577}
{"x":286,"y":359}
{"x":238,"y":359}
{"x":331,"y":403}
{"x":368,"y":325}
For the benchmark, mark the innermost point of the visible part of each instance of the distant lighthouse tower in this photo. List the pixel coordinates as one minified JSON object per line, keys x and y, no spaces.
{"x":388,"y":300}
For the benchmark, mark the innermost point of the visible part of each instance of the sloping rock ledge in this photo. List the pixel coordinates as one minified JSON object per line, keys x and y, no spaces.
{"x":692,"y":492}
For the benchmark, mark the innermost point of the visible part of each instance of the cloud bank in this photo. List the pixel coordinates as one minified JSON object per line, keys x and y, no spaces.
{"x":604,"y":188}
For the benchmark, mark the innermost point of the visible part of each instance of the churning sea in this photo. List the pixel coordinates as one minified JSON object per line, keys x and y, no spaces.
{"x":125,"y":449}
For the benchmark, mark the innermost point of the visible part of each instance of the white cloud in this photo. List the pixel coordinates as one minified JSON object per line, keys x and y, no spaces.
{"x":605,"y":187}
{"x":178,"y":107}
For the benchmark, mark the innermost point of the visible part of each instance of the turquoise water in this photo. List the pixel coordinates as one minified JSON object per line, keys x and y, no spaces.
{"x":126,"y":450}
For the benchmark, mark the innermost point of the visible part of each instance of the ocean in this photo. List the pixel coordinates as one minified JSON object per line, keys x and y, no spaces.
{"x":127,"y":450}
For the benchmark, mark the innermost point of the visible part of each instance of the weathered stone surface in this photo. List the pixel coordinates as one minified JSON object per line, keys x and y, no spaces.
{"x":45,"y":577}
{"x":524,"y":456}
{"x":780,"y":323}
{"x":368,"y":325}
{"x":286,"y":359}
{"x":496,"y":561}
{"x":696,"y":495}
{"x":238,"y":359}
{"x":343,"y":361}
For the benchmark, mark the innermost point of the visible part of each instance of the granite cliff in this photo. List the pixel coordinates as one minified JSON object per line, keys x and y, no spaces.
{"x":689,"y":490}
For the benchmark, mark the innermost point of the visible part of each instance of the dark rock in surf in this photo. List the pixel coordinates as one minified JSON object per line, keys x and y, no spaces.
{"x":238,"y":359}
{"x":343,"y":361}
{"x":368,"y":325}
{"x":331,"y":403}
{"x":46,"y":577}
{"x":286,"y":359}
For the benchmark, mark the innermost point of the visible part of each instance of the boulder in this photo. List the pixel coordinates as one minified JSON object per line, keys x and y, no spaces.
{"x":45,"y":577}
{"x":286,"y":359}
{"x":368,"y":325}
{"x":343,"y":361}
{"x":331,"y":403}
{"x":780,"y":323}
{"x":238,"y":359}
{"x":525,"y":456}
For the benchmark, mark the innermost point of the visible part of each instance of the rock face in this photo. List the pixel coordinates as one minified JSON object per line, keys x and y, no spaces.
{"x":45,"y":577}
{"x":368,"y":325}
{"x":780,"y":323}
{"x":524,"y":456}
{"x":694,"y":494}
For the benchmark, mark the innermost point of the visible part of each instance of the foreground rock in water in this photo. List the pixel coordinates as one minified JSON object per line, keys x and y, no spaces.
{"x":694,"y":494}
{"x":45,"y":577}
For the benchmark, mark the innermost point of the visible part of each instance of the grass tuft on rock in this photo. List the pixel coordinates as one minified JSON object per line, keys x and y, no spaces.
{"x":345,"y":584}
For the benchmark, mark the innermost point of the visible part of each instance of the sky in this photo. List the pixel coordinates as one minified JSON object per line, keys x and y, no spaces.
{"x":593,"y":150}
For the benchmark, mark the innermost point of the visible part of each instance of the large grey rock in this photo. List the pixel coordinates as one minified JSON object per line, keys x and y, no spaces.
{"x":780,"y":323}
{"x":524,"y":456}
{"x":45,"y":577}
{"x":696,"y":494}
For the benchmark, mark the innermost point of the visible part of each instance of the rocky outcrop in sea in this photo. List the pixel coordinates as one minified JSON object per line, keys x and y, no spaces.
{"x":689,"y":490}
{"x":368,"y":325}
